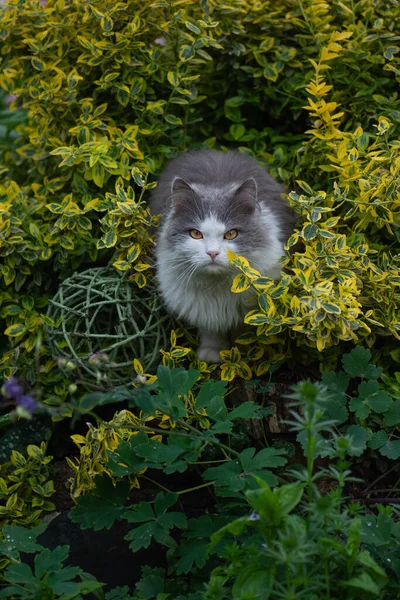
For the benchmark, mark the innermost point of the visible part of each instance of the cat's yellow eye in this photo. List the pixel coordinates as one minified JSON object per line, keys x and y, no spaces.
{"x":230,"y":235}
{"x":196,"y":234}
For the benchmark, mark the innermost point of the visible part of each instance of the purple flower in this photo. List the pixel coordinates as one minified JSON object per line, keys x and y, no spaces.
{"x":161,"y":41}
{"x":28,"y":403}
{"x":13,"y":389}
{"x":254,"y":516}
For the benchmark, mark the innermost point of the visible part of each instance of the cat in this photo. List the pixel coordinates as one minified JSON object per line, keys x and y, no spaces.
{"x":213,"y":201}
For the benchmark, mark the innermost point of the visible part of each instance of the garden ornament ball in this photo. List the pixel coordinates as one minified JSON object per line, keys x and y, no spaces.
{"x":104,"y":322}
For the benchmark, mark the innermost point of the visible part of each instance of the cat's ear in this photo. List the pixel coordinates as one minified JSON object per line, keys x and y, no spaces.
{"x":181,"y":193}
{"x":246,"y":194}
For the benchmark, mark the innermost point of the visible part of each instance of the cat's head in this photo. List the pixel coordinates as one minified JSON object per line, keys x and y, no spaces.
{"x":215,"y":201}
{"x":204,"y":221}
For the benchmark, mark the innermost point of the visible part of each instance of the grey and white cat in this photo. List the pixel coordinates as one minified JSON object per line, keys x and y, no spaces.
{"x":213,"y":202}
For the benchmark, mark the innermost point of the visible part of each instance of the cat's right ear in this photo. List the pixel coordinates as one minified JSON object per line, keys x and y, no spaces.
{"x":181,"y":194}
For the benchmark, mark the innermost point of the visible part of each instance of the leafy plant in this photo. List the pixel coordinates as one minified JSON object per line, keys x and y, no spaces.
{"x":49,"y":578}
{"x":362,"y":406}
{"x":310,"y":89}
{"x":259,"y":546}
{"x":25,"y":487}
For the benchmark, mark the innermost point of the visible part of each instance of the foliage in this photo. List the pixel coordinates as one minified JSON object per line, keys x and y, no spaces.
{"x":171,"y":406}
{"x":251,"y":541}
{"x":360,"y":404}
{"x":309,"y":88}
{"x":25,"y":487}
{"x":49,"y":578}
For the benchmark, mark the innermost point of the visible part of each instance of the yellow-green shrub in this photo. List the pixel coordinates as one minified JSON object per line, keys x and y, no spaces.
{"x":25,"y":487}
{"x":113,"y":90}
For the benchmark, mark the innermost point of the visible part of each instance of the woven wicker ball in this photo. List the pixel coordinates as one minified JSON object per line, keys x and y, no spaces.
{"x":107,"y":322}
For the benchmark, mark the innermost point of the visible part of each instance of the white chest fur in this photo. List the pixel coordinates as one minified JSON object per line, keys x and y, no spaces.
{"x":205,"y":300}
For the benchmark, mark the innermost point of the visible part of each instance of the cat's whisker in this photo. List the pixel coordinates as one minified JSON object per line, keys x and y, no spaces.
{"x":216,"y":192}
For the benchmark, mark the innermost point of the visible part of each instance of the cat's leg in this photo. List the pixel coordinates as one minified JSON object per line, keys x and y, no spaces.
{"x":211,"y":343}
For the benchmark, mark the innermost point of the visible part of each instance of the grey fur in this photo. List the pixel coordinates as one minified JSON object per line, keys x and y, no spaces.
{"x":217,"y":170}
{"x":215,"y":192}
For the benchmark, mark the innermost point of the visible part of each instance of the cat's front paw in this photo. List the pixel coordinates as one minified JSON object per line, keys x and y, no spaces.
{"x":209,"y":354}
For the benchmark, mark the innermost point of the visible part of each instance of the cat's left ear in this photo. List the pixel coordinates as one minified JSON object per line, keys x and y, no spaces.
{"x":247,"y":193}
{"x":181,"y":194}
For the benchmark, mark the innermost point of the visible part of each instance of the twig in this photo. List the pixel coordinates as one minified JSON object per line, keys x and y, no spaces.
{"x":379,"y":500}
{"x":396,"y":466}
{"x":381,"y":491}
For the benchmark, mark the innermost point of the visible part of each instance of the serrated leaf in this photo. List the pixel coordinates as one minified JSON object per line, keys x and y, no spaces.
{"x":359,"y":438}
{"x":226,"y":475}
{"x":357,"y":364}
{"x":392,"y":415}
{"x":18,"y":539}
{"x":391,"y":449}
{"x":247,"y":410}
{"x":100,"y":508}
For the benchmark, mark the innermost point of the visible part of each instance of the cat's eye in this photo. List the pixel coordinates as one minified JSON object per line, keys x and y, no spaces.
{"x":230,"y":235}
{"x":196,"y":234}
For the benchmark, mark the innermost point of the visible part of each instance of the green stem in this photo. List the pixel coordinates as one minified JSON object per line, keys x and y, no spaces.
{"x":196,"y":487}
{"x":155,"y":483}
{"x":219,"y":444}
{"x":207,"y":462}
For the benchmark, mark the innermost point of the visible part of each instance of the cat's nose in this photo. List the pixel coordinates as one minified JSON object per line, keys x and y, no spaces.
{"x":213,"y":255}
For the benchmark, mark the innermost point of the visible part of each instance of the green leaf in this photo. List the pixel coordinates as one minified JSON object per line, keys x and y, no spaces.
{"x":186,"y":53}
{"x":172,"y":519}
{"x":151,"y":583}
{"x":365,"y":583}
{"x":254,"y":582}
{"x":237,"y":131}
{"x":378,"y":439}
{"x":359,"y":406}
{"x":247,"y":410}
{"x":140,"y":513}
{"x":266,"y":504}
{"x":226,"y":475}
{"x":392,"y":415}
{"x":309,"y":231}
{"x":235,"y":101}
{"x":359,"y":438}
{"x":371,"y":397}
{"x":61,"y":583}
{"x":338,"y":383}
{"x":268,"y":457}
{"x":173,"y":78}
{"x":15,"y":330}
{"x":98,"y":174}
{"x":173,"y":383}
{"x":120,"y":593}
{"x":100,"y":508}
{"x":173,"y":120}
{"x":50,"y":560}
{"x":391,"y":449}
{"x":164,"y":501}
{"x":110,"y":239}
{"x":140,"y":537}
{"x":193,"y":553}
{"x":192,"y":27}
{"x":38,"y":64}
{"x":331,"y":308}
{"x":289,"y":496}
{"x":208,"y":391}
{"x":357,"y":364}
{"x":20,"y":539}
{"x":19,"y":573}
{"x":156,"y":453}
